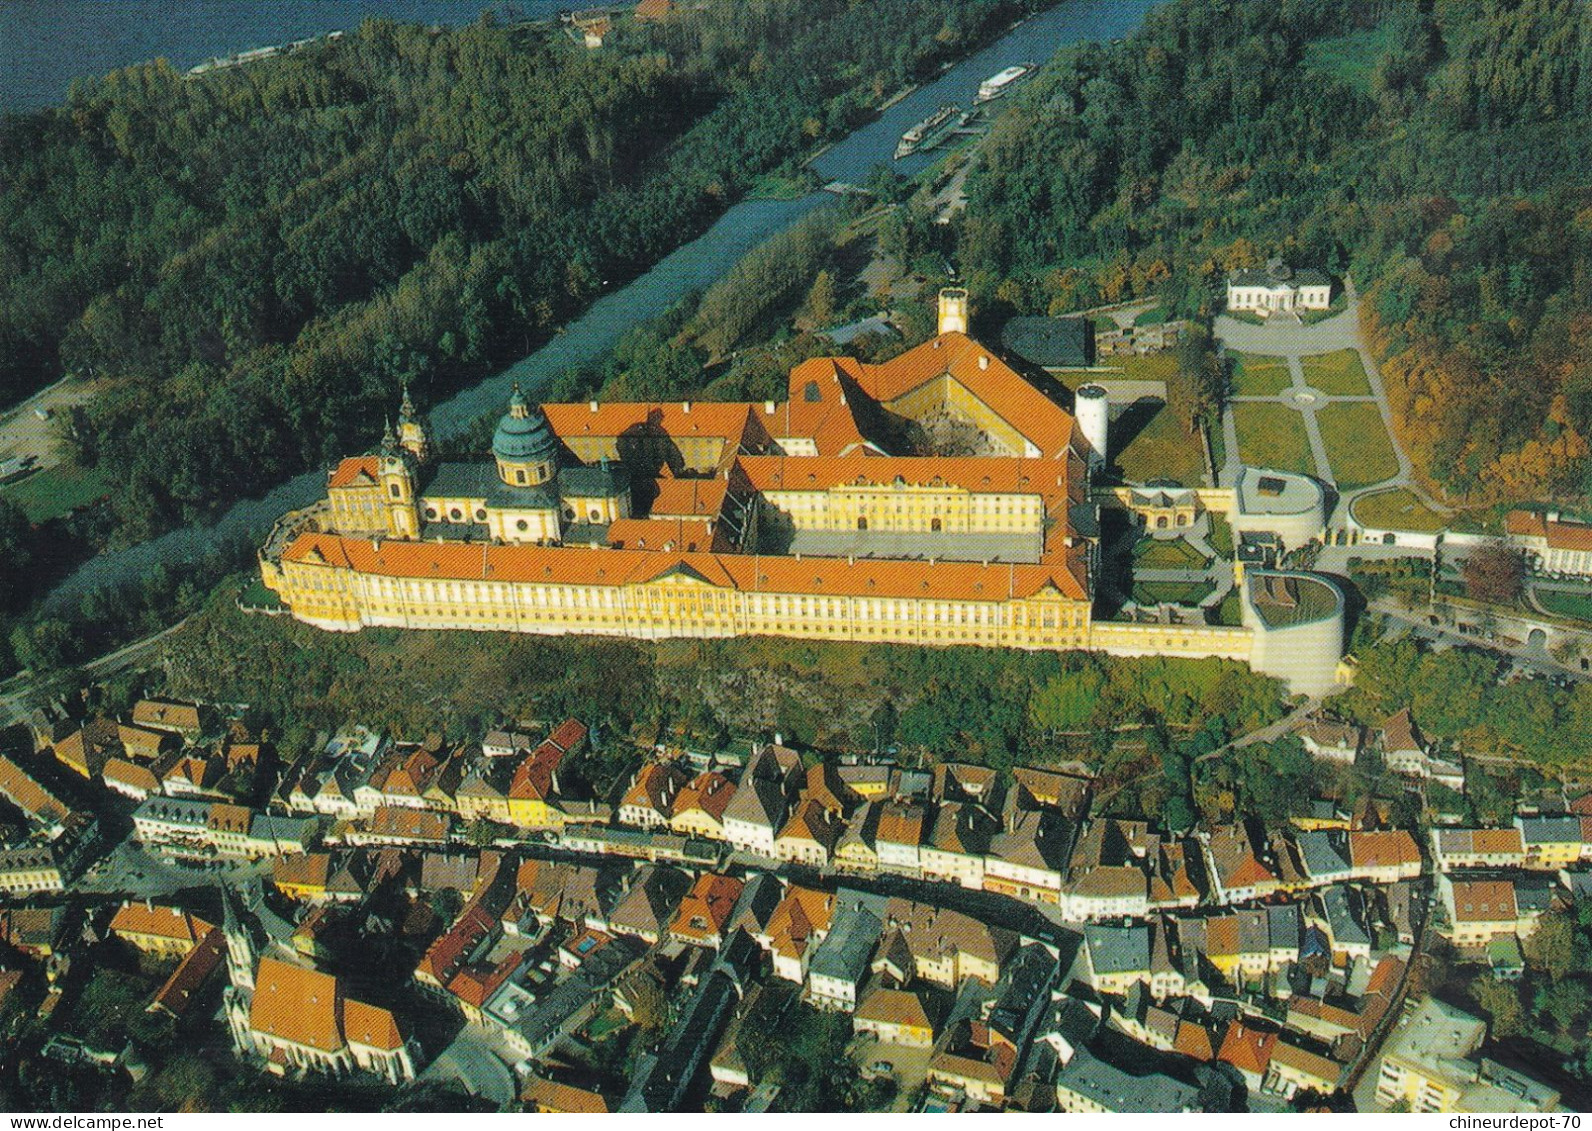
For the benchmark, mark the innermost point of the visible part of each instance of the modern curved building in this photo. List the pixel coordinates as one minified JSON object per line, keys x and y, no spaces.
{"x":1291,"y":506}
{"x":1297,"y":623}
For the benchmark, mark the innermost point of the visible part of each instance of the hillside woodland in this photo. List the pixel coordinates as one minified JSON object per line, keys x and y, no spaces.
{"x":1437,"y":151}
{"x":260,"y":257}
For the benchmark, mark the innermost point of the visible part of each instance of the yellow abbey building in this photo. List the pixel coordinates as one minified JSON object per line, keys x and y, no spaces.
{"x":713,"y":520}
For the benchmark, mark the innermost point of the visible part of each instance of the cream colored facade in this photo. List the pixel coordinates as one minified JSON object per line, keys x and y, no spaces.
{"x":910,"y":507}
{"x":335,"y":597}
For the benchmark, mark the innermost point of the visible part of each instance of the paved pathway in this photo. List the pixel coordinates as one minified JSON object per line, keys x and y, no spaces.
{"x":1292,"y":341}
{"x":1217,"y":570}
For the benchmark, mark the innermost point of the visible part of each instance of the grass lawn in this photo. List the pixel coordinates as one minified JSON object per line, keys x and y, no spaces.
{"x":1170,"y":553}
{"x":1273,"y":435}
{"x":1172,"y":593}
{"x":1231,"y":610}
{"x":1163,"y":449}
{"x":1576,"y":606}
{"x":1156,"y":448}
{"x":1339,"y":304}
{"x":1338,"y":373}
{"x":256,"y":596}
{"x":1255,"y":375}
{"x":772,"y":186}
{"x":1397,"y":509}
{"x":1357,"y":445}
{"x":56,"y":491}
{"x":1221,"y":536}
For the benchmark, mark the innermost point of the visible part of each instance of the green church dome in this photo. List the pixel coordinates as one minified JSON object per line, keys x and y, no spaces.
{"x":523,"y":434}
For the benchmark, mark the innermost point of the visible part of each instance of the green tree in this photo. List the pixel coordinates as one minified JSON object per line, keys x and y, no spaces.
{"x":820,"y":303}
{"x":1066,"y":703}
{"x":1552,"y":946}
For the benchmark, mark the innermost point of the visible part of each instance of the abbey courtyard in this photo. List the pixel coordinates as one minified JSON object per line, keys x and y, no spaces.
{"x":940,"y":498}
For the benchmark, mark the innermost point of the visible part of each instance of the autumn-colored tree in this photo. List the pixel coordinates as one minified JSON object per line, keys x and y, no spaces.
{"x":1495,"y":574}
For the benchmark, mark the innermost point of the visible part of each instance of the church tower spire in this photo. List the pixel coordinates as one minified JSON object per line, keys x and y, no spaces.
{"x":412,"y":436}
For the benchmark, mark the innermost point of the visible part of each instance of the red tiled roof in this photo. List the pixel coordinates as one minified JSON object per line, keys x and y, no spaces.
{"x":686,"y":498}
{"x":1530,"y":524}
{"x":371,"y":1025}
{"x":977,"y":474}
{"x":707,"y":906}
{"x":568,"y":565}
{"x":296,"y":1004}
{"x":1382,"y":849}
{"x":353,"y":470}
{"x":1040,"y":420}
{"x":1248,"y":1050}
{"x":159,"y":922}
{"x":1569,"y":536}
{"x":686,"y":535}
{"x":569,"y":734}
{"x":1484,"y":901}
{"x":709,"y":792}
{"x":729,"y":422}
{"x":177,"y":994}
{"x":1400,"y":733}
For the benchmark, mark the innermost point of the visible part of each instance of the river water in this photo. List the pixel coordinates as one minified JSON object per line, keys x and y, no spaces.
{"x":44,"y":44}
{"x":695,"y":265}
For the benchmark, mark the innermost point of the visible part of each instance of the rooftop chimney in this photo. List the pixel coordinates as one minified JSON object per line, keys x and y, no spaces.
{"x":983,"y":361}
{"x":593,"y":405}
{"x":768,"y":408}
{"x":685,"y":407}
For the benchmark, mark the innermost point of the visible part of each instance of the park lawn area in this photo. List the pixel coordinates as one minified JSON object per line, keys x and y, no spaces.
{"x":1357,"y":445}
{"x":1172,"y":592}
{"x":57,"y":491}
{"x":1397,"y":509}
{"x":1166,"y":553}
{"x":1255,"y":375}
{"x":1144,"y":367}
{"x":1576,"y":606}
{"x":1221,"y":535}
{"x":1273,"y":435}
{"x":1339,"y":374}
{"x":1163,"y":449}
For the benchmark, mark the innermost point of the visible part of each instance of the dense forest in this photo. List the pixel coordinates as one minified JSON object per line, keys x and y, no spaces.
{"x":258,"y":258}
{"x":252,"y":263}
{"x":1434,"y":150}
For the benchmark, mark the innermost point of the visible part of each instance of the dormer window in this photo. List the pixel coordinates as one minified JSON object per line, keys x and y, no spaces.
{"x":519,"y":476}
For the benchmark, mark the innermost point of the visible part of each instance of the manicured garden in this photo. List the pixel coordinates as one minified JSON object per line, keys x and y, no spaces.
{"x":1339,"y":374}
{"x":1255,"y":375}
{"x":1220,"y":535}
{"x":1357,"y":445}
{"x":1577,"y":606}
{"x":1273,"y":435}
{"x":1172,"y":592}
{"x":1167,"y":553}
{"x":1398,"y":509}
